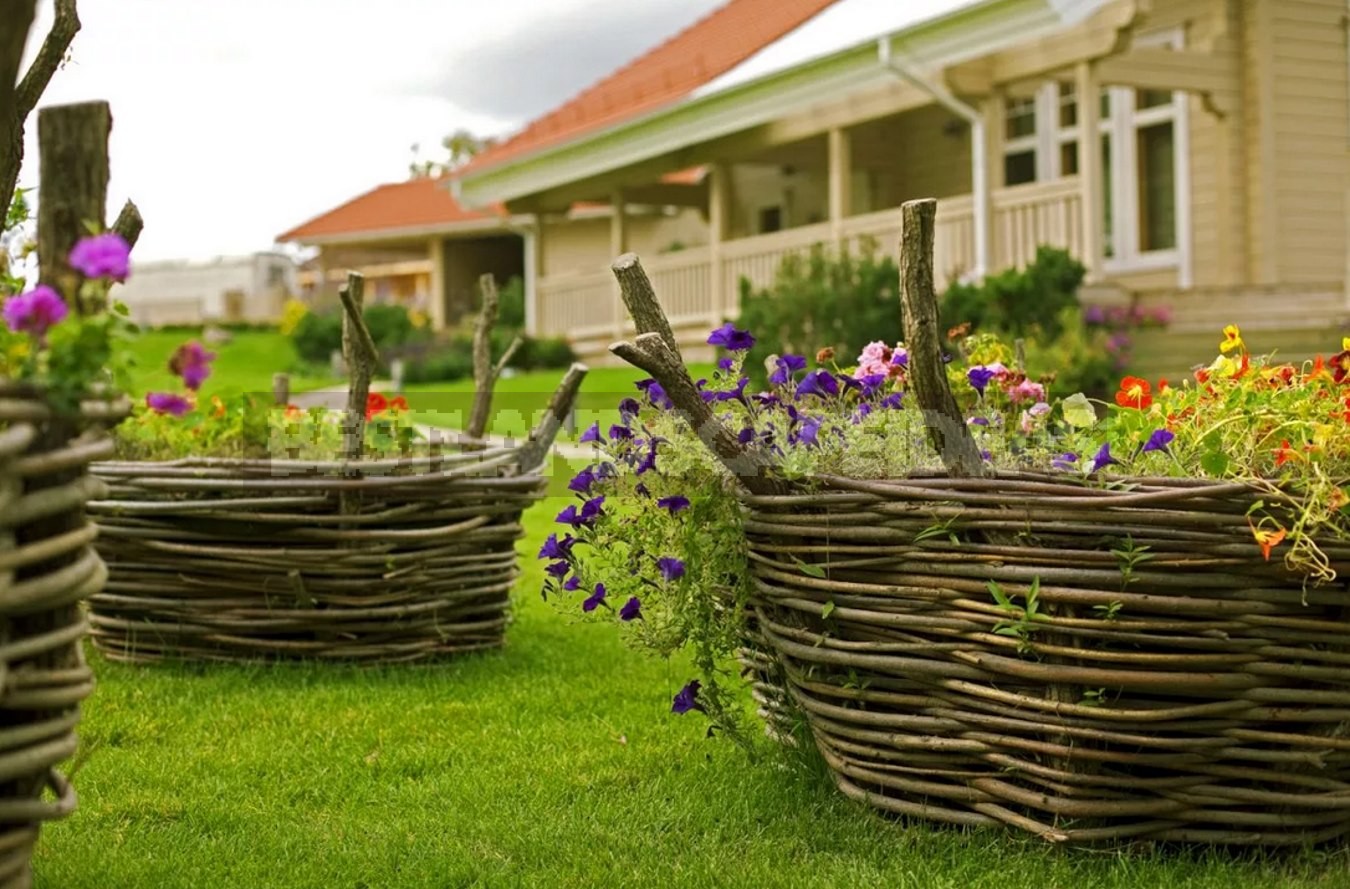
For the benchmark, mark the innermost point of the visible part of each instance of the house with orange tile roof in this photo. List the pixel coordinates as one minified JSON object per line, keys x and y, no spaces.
{"x":1208,"y":172}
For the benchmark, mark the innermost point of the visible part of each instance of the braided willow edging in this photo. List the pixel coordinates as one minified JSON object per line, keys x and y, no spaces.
{"x":246,"y":560}
{"x":47,"y":565}
{"x":1207,"y":699}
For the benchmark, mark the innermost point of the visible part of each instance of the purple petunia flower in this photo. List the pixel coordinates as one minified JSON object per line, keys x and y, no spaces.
{"x":1094,"y":315}
{"x":1103,"y":458}
{"x":674,"y":503}
{"x":978,"y":421}
{"x":554,"y":548}
{"x":746,"y":435}
{"x":192,"y":363}
{"x":893,"y":400}
{"x":628,"y":409}
{"x":687,"y":699}
{"x":786,"y":366}
{"x":102,"y":256}
{"x":167,"y":403}
{"x":871,"y":384}
{"x":671,"y":568}
{"x":582,"y":482}
{"x":808,"y":432}
{"x":631,"y":610}
{"x":979,"y":377}
{"x":820,"y":382}
{"x":1064,"y":461}
{"x":864,"y":410}
{"x":737,"y":394}
{"x":1158,"y":441}
{"x":572,"y":583}
{"x":594,"y":599}
{"x":558,"y":569}
{"x":728,"y":337}
{"x":725,"y":363}
{"x":648,"y":462}
{"x":620,"y":433}
{"x":655,"y":394}
{"x":35,"y":312}
{"x":900,"y":358}
{"x":592,"y":434}
{"x":580,"y":518}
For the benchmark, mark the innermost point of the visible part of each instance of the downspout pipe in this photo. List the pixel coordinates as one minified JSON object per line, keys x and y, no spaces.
{"x":979,"y":169}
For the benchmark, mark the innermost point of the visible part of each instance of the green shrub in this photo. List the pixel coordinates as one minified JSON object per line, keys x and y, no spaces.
{"x":440,"y":365}
{"x":317,"y":336}
{"x":391,"y":326}
{"x":1017,"y":301}
{"x":511,"y":314}
{"x":843,"y":301}
{"x":543,"y":354}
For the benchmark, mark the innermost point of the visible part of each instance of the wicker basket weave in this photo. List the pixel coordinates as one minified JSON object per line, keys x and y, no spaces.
{"x":47,"y":566}
{"x":394,"y":560}
{"x":1206,"y":697}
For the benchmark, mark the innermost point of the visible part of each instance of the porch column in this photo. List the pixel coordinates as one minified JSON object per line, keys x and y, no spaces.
{"x":1090,"y":173}
{"x":719,"y":218}
{"x":534,"y":264}
{"x":987,"y":175}
{"x":618,"y":245}
{"x":840,"y":181}
{"x":436,"y":299}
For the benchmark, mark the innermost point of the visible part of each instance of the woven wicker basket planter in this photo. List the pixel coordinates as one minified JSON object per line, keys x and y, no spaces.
{"x":47,"y":565}
{"x":243,"y":560}
{"x":1206,"y":699}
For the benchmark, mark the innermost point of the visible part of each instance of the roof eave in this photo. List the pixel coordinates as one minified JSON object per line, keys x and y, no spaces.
{"x":463,"y":228}
{"x":962,"y":34}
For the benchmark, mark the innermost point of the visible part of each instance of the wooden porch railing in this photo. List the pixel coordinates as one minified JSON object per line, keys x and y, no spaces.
{"x":583,"y":306}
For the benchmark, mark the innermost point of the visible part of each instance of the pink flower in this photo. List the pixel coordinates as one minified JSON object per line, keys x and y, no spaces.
{"x":167,"y":403}
{"x":1026,"y":391}
{"x":102,"y":256}
{"x":875,"y":359}
{"x":34,"y":312}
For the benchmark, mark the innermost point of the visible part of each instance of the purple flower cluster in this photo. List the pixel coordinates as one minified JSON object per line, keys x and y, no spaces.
{"x":35,"y":312}
{"x":102,"y":256}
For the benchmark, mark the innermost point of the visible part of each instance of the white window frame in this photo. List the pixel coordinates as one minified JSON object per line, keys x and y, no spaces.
{"x":1030,"y":142}
{"x":1122,"y":176}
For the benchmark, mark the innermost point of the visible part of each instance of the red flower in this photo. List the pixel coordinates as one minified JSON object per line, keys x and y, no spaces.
{"x":1340,"y":366}
{"x":1134,"y":392}
{"x":1284,"y":453}
{"x":398,"y":403}
{"x":375,"y":404}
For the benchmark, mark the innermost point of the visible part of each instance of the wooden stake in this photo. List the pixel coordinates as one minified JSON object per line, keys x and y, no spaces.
{"x":533,"y":452}
{"x":656,"y":352}
{"x":73,"y":170}
{"x":358,"y":350}
{"x":927,"y":374}
{"x":485,"y":374}
{"x":129,"y":224}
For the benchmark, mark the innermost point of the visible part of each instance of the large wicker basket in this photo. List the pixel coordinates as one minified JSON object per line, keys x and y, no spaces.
{"x":1201,"y":695}
{"x":47,"y":566}
{"x":388,"y":560}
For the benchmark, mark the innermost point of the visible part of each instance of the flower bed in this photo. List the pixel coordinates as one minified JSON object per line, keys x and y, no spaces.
{"x":392,"y":560}
{"x":1203,"y":697}
{"x":302,"y":534}
{"x":47,"y":566}
{"x":989,"y":604}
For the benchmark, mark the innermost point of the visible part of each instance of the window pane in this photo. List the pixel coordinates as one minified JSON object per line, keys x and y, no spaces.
{"x":1068,"y":106}
{"x":1019,"y":168}
{"x":1108,"y":241}
{"x":1157,"y":187}
{"x":1105,"y":111}
{"x":1068,"y":158}
{"x":1151,"y":99}
{"x":1020,"y":118}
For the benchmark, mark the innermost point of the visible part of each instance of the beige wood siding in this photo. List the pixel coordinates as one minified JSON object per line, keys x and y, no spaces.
{"x":583,"y":246}
{"x":1309,"y":118}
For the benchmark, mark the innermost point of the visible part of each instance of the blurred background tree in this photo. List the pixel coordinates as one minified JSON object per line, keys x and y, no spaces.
{"x":459,"y":147}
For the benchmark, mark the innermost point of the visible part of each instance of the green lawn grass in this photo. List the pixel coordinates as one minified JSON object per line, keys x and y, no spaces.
{"x":519,"y":400}
{"x":245,"y":364}
{"x":552,"y":763}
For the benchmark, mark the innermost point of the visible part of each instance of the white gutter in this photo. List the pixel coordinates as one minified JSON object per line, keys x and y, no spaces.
{"x":979,"y":169}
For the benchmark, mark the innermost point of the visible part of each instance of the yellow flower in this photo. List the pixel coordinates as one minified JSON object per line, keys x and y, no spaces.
{"x":1232,"y":339}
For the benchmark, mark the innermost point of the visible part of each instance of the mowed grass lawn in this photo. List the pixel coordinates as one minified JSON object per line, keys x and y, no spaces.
{"x":553,"y":763}
{"x":245,"y":364}
{"x":519,"y":401}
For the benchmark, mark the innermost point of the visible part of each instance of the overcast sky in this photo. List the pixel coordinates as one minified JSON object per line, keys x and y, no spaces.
{"x":234,"y":120}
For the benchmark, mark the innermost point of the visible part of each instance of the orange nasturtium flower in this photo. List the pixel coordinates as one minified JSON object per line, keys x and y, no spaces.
{"x":398,"y":403}
{"x":293,"y":412}
{"x":1338,"y":499}
{"x":1267,"y":540}
{"x":1134,"y":392}
{"x":1319,"y":371}
{"x":1284,"y":453}
{"x":1340,"y":365}
{"x":219,"y":407}
{"x":1232,"y":339}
